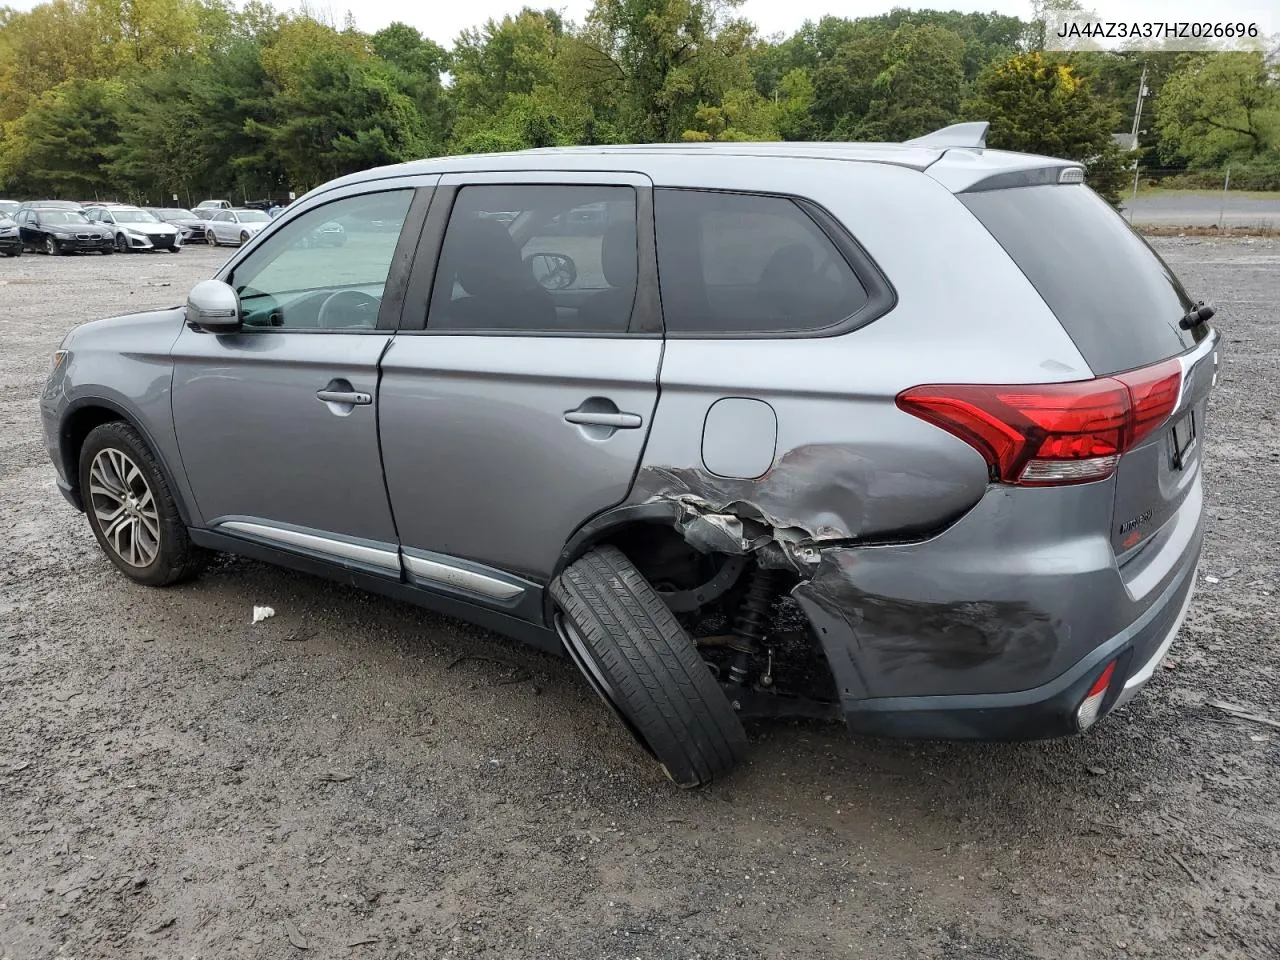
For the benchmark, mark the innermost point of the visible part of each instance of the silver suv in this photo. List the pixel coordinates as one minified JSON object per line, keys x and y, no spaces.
{"x":908,"y":434}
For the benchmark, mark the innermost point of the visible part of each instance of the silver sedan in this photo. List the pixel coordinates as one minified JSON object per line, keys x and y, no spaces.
{"x":237,"y":226}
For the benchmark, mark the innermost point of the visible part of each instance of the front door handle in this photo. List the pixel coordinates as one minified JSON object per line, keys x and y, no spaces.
{"x":344,"y":396}
{"x":617,"y":420}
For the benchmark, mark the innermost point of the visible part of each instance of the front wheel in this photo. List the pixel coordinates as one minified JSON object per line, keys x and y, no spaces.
{"x":122,"y":245}
{"x":211,"y":239}
{"x":51,"y":247}
{"x":643,"y":664}
{"x":131,"y":509}
{"x":244,"y":237}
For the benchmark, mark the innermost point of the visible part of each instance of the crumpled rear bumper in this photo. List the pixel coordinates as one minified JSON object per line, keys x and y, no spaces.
{"x":1013,"y":660}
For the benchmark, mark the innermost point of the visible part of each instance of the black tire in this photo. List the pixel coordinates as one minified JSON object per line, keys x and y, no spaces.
{"x":176,"y":558}
{"x":635,"y":654}
{"x":211,"y":238}
{"x":51,"y":247}
{"x":122,"y":245}
{"x":244,"y":237}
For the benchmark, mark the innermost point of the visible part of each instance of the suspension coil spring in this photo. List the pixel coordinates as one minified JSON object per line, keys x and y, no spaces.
{"x":752,"y":621}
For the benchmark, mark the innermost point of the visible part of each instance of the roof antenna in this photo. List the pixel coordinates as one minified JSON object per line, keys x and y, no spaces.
{"x":973,"y":135}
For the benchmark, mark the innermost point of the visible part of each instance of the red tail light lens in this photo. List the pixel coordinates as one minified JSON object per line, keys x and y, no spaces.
{"x":1052,"y":433}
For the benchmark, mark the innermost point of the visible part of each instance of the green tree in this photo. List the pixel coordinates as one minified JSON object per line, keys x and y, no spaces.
{"x":1038,"y":105}
{"x":417,"y":64}
{"x":656,"y":62}
{"x":62,"y":145}
{"x":341,"y":114}
{"x":890,"y":85}
{"x":1221,"y":107}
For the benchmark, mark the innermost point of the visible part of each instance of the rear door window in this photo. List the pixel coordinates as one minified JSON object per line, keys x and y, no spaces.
{"x":538,"y":258}
{"x":732,"y":263}
{"x":1114,"y":295}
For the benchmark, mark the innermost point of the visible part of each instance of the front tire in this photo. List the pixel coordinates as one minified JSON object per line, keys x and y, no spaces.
{"x":51,"y":247}
{"x":640,"y":660}
{"x":131,"y":510}
{"x":244,"y":238}
{"x":211,"y":238}
{"x":122,"y":245}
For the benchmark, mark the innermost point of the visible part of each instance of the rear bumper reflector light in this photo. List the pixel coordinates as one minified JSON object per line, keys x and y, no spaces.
{"x":1050,"y":434}
{"x":1091,"y":705}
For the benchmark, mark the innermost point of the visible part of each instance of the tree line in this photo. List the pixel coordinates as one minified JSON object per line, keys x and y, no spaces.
{"x":149,"y":98}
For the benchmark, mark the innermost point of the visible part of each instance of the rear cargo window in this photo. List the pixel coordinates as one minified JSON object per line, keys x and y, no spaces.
{"x":1114,"y":295}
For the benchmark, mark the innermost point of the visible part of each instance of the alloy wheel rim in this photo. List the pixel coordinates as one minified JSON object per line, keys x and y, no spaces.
{"x":50,"y":244}
{"x":124,"y":507}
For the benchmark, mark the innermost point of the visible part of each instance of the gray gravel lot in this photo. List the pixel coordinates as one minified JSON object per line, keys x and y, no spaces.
{"x":177,"y":783}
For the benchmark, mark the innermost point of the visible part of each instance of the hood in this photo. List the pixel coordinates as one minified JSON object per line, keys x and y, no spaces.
{"x":148,"y":332}
{"x":149,"y":229}
{"x":91,"y":228}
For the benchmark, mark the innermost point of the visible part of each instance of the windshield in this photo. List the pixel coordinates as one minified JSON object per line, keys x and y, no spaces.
{"x":62,"y":216}
{"x":176,"y":214}
{"x":252,"y":216}
{"x":134,"y":216}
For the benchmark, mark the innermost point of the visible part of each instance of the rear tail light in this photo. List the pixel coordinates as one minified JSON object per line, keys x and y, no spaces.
{"x":1052,"y":433}
{"x":1087,"y":713}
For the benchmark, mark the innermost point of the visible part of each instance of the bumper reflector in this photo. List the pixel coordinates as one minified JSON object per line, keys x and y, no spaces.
{"x":1087,"y":714}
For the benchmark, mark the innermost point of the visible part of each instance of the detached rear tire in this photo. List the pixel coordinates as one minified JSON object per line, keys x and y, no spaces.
{"x":642,"y":663}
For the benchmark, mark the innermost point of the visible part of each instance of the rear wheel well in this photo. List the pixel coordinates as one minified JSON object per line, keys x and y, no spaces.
{"x":75,"y":429}
{"x":669,"y":563}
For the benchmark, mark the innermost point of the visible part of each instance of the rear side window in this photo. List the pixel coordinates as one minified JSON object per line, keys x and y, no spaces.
{"x":538,"y":258}
{"x":732,"y":263}
{"x":1114,"y":295}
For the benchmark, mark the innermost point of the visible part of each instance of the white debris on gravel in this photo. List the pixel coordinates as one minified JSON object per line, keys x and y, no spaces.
{"x":262,"y":613}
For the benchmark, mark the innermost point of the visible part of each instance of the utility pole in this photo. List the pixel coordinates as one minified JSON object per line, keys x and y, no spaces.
{"x":1137,"y":128}
{"x":1137,"y":113}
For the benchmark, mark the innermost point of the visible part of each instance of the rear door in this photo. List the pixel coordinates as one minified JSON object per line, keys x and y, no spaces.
{"x":1122,"y":305}
{"x":516,"y":401}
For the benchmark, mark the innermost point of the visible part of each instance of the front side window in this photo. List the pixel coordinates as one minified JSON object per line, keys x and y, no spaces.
{"x":538,"y":258}
{"x":326,"y":269}
{"x":731,"y":263}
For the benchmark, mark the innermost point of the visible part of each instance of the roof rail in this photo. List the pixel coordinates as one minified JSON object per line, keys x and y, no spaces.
{"x":957,"y":135}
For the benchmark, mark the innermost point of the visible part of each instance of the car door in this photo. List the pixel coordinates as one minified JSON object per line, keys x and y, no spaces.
{"x":277,"y":424}
{"x":26,"y":227}
{"x":512,"y":410}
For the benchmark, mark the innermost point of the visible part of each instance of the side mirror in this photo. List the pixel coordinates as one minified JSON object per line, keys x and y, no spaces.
{"x":214,"y":307}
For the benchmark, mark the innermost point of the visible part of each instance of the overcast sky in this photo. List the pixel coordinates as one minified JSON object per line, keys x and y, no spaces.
{"x":441,"y":20}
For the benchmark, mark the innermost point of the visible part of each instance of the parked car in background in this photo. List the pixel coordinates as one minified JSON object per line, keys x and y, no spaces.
{"x":133,"y":228}
{"x":56,"y":231}
{"x":205,"y":205}
{"x":329,"y":234}
{"x":9,"y":207}
{"x":10,"y":238}
{"x":236,"y":226}
{"x":50,"y":205}
{"x":189,"y":223}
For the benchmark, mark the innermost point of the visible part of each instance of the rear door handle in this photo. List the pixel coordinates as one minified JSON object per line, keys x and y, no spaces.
{"x":344,"y":396}
{"x":619,"y":421}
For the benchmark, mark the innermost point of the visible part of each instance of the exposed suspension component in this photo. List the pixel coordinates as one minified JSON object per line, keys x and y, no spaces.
{"x":752,"y":621}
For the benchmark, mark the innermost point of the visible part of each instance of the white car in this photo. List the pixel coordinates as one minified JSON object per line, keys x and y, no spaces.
{"x":135,"y":229}
{"x":234,"y":226}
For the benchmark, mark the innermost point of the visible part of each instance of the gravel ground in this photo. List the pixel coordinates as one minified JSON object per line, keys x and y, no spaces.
{"x":364,"y":779}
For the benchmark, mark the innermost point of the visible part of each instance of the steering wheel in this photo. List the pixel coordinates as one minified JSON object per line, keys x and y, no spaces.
{"x":348,"y":308}
{"x":552,"y":271}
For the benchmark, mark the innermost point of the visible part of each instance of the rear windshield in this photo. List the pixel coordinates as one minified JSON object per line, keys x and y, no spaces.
{"x":1116,"y":298}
